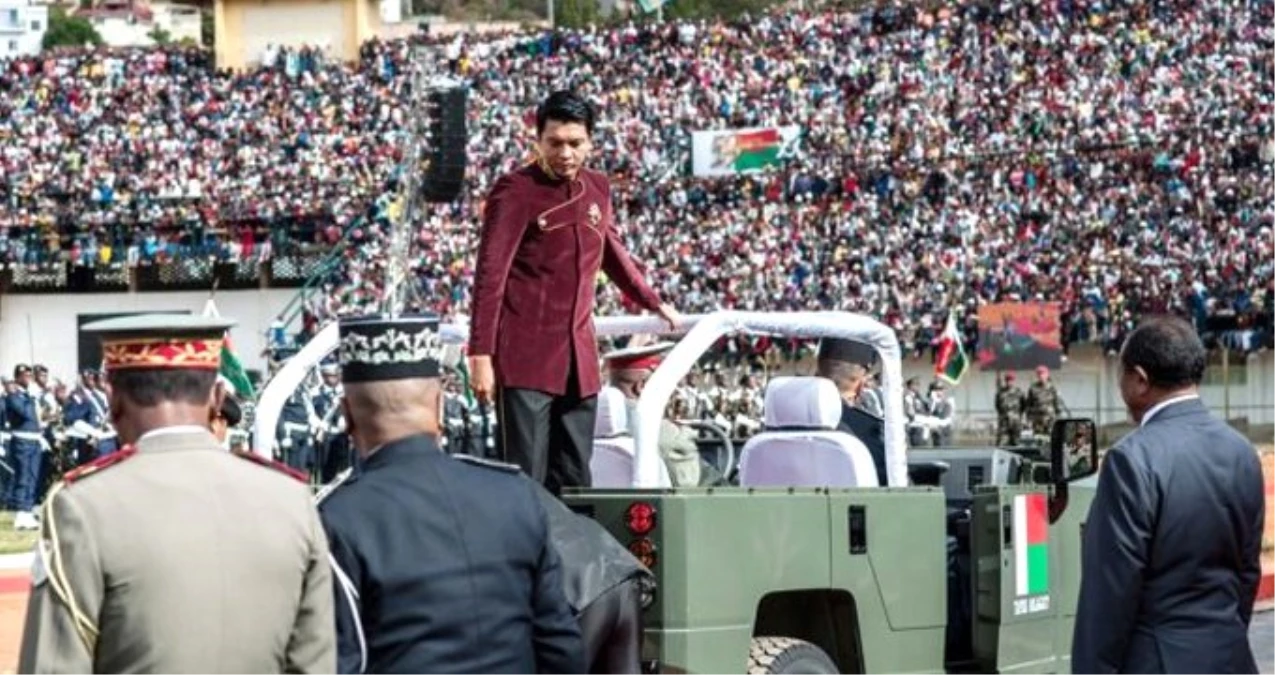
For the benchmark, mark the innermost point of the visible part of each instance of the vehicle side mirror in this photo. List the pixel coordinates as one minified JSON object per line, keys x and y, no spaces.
{"x":1073,"y":454}
{"x":1073,"y":450}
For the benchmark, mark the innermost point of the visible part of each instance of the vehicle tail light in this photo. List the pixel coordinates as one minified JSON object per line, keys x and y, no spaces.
{"x":644,"y":551}
{"x":640,"y":518}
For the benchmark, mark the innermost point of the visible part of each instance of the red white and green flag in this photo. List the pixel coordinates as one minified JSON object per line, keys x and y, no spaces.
{"x":231,"y":367}
{"x":727,"y":152}
{"x":1031,"y":545}
{"x":952,"y":362}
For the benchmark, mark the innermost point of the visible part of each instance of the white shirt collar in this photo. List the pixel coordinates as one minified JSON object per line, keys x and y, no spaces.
{"x":1164,"y":404}
{"x":178,"y":429}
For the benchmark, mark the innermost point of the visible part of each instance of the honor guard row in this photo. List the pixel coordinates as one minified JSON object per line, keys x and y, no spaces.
{"x":311,"y":434}
{"x":46,"y":429}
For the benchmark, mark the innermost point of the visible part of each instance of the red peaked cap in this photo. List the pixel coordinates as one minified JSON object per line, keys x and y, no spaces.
{"x":646,"y":357}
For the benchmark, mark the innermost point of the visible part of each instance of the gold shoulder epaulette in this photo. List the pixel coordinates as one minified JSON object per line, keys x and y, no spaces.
{"x":272,"y":464}
{"x":97,"y":465}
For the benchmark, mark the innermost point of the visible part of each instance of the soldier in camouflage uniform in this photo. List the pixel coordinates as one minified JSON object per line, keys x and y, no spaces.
{"x":1009,"y":412}
{"x":1043,"y":403}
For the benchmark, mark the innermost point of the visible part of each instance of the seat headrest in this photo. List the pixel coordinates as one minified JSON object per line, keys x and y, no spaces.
{"x":613,"y":414}
{"x":802,"y":403}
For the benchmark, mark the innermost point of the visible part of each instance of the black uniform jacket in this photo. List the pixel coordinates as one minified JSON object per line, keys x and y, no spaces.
{"x":870,"y":430}
{"x":442,"y":565}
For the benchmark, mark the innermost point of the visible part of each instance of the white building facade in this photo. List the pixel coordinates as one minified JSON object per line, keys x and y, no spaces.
{"x":124,"y":23}
{"x":22,"y":27}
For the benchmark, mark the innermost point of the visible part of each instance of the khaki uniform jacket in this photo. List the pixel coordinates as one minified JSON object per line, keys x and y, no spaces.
{"x":180,"y":558}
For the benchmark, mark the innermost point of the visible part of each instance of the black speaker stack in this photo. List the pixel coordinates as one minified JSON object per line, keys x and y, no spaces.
{"x":445,"y":173}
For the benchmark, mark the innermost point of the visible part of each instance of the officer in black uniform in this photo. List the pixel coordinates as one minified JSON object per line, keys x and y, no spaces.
{"x":442,"y":564}
{"x":849,"y":364}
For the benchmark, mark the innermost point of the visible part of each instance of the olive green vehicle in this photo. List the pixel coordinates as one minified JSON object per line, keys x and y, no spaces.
{"x":969,"y":573}
{"x":967,"y":561}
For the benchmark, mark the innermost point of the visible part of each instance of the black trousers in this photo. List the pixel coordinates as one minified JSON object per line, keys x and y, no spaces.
{"x":612,"y":630}
{"x":550,"y":437}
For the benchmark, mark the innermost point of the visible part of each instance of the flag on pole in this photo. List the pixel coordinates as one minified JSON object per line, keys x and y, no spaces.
{"x":231,"y":367}
{"x":951,"y":363}
{"x":463,"y":367}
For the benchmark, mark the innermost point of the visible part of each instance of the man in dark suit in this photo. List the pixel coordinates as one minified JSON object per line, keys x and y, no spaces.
{"x":848,"y":364}
{"x":603,"y":583}
{"x":1171,"y":552}
{"x":548,"y":228}
{"x":442,"y":564}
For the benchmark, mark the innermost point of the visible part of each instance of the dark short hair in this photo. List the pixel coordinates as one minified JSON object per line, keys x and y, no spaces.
{"x":565,"y":107}
{"x":842,"y":373}
{"x":1168,"y":350}
{"x":230,"y":410}
{"x":152,"y":387}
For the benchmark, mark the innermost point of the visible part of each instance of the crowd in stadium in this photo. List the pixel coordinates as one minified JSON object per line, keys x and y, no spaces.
{"x":1113,"y":156}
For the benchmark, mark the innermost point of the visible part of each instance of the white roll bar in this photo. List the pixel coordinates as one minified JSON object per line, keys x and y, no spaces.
{"x":704,"y":331}
{"x":709,"y":328}
{"x":289,"y":377}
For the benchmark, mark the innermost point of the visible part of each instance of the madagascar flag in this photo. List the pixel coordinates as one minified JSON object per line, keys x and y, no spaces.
{"x":1031,"y":545}
{"x":757,"y":149}
{"x":951,"y":363}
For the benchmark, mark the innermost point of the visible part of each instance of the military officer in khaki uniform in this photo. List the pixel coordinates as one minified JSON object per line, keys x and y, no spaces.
{"x":629,"y":369}
{"x":157,"y":558}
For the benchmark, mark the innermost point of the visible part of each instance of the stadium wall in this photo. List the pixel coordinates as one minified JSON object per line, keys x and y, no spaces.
{"x":244,"y":28}
{"x":1087,"y":383}
{"x":44,"y":328}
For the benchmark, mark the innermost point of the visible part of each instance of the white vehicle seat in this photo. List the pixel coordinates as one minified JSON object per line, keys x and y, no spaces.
{"x":613,"y":446}
{"x":801,"y":446}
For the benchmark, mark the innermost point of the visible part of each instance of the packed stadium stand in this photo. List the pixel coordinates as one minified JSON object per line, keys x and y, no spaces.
{"x":1113,"y":156}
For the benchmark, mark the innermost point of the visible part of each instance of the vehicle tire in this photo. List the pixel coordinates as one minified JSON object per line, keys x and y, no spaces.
{"x":787,"y":655}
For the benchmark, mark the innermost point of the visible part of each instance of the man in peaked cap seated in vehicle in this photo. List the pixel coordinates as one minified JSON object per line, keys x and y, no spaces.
{"x":629,"y":369}
{"x":848,"y":363}
{"x":156,"y":558}
{"x":443,"y":564}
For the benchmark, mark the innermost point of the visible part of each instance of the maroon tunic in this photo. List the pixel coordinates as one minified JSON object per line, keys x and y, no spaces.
{"x":542,"y":245}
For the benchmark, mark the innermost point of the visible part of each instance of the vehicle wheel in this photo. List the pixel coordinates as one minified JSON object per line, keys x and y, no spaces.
{"x":787,"y":655}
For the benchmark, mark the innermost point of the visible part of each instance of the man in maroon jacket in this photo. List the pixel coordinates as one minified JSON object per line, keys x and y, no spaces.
{"x":548,"y":228}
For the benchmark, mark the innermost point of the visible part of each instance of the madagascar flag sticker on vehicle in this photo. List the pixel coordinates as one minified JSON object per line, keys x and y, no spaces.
{"x":1031,"y":545}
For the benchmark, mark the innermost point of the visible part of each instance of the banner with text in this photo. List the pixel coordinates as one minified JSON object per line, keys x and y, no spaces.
{"x":726,"y":152}
{"x":1019,"y":336}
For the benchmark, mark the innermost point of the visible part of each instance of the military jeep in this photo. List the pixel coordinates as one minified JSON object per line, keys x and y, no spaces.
{"x":966,"y":561}
{"x":977,"y":571}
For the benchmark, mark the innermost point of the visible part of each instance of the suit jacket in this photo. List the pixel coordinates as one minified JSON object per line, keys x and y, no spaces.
{"x":1171,"y":550}
{"x":445,"y":567}
{"x":167,"y":552}
{"x":870,"y":430}
{"x":543,"y":243}
{"x":593,"y":562}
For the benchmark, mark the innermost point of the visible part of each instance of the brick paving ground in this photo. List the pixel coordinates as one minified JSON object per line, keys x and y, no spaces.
{"x":13,"y":609}
{"x":13,"y":606}
{"x":13,"y":585}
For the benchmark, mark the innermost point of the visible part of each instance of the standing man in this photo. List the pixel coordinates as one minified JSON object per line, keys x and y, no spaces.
{"x":944,"y":413}
{"x":848,"y":364}
{"x":1009,"y":411}
{"x":26,"y":446}
{"x":1171,"y":554}
{"x":915,"y":407}
{"x":158,"y":558}
{"x":1043,"y":404}
{"x":443,"y":565}
{"x":548,"y":228}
